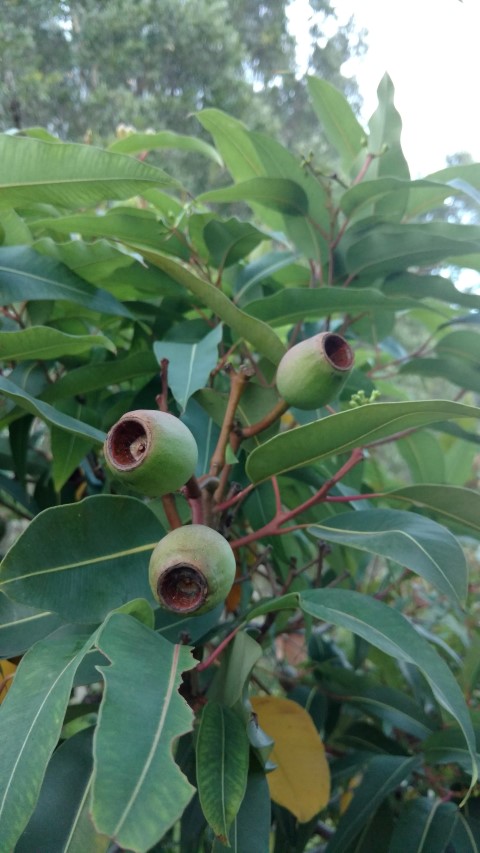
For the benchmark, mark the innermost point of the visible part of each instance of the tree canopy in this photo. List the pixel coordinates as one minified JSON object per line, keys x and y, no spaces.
{"x":81,"y":68}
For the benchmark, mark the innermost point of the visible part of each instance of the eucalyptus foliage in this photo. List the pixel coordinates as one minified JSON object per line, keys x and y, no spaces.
{"x":353,"y":526}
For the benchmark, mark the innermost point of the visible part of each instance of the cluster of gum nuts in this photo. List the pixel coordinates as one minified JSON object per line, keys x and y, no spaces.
{"x":192,"y":568}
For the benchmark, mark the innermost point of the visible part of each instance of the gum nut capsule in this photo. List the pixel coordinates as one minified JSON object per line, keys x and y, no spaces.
{"x":152,"y":451}
{"x":192,"y":569}
{"x":312,"y":372}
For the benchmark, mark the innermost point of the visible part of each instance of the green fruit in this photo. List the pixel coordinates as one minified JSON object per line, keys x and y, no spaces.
{"x":312,"y":372}
{"x":152,"y":451}
{"x":192,"y":569}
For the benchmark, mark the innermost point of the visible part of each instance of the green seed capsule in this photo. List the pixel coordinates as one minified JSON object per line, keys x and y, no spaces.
{"x":192,"y":569}
{"x":313,"y":372}
{"x":154,"y":452}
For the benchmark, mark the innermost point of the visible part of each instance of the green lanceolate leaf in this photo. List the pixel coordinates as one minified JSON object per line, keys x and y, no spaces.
{"x":299,"y":303}
{"x":344,"y":431}
{"x":84,"y":379}
{"x":22,"y":626}
{"x":149,"y":792}
{"x":41,"y":342}
{"x":82,"y":560}
{"x":237,"y":663}
{"x":250,"y":830}
{"x":384,"y":773}
{"x":48,"y":413}
{"x":60,"y":806}
{"x":137,"y":142}
{"x":339,"y":122}
{"x":280,"y":194}
{"x":390,"y":631}
{"x":257,"y":333}
{"x":30,"y":722}
{"x":451,"y":504}
{"x":448,"y":747}
{"x":367,"y":192}
{"x":409,"y":539}
{"x":190,"y":365}
{"x":424,"y":824}
{"x":69,"y":175}
{"x":27,"y":275}
{"x":222,"y":766}
{"x":393,"y":248}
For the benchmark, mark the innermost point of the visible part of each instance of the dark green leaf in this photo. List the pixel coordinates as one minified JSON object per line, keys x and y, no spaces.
{"x":48,"y":413}
{"x":82,"y":560}
{"x":389,"y":630}
{"x":222,"y":766}
{"x":416,"y":286}
{"x":459,"y":371}
{"x":368,"y":191}
{"x":383,"y":775}
{"x":27,"y":275}
{"x":250,"y":830}
{"x":448,"y":747}
{"x":257,"y":333}
{"x":22,"y":626}
{"x":424,"y":825}
{"x":149,"y":792}
{"x":409,"y":539}
{"x":236,"y":666}
{"x":297,"y":303}
{"x":452,"y":504}
{"x":280,"y":194}
{"x":30,"y":722}
{"x":231,"y":240}
{"x":344,"y":431}
{"x":391,"y":248}
{"x":62,"y":798}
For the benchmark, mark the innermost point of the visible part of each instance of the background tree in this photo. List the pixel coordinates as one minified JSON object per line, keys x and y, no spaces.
{"x":72,"y":67}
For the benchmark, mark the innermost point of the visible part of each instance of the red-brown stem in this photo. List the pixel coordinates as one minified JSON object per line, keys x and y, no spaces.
{"x":162,"y":398}
{"x":170,"y":510}
{"x":237,"y":386}
{"x":278,"y":410}
{"x":272,"y":528}
{"x":216,"y":652}
{"x":235,"y":499}
{"x":345,"y":499}
{"x":363,"y":171}
{"x":276,"y":492}
{"x":193,"y":494}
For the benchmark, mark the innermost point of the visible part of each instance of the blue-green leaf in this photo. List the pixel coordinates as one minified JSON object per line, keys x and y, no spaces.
{"x":409,"y":539}
{"x":189,"y":365}
{"x":138,"y":790}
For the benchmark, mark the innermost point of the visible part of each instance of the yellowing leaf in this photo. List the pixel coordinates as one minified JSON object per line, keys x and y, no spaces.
{"x":301,"y":781}
{"x":347,"y":796}
{"x":7,"y":669}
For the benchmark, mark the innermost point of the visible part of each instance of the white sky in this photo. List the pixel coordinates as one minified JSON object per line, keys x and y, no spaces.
{"x":431,"y":49}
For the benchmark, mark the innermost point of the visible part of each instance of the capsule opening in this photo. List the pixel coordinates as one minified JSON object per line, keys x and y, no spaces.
{"x":127,"y":443}
{"x":338,"y":352}
{"x":182,"y":588}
